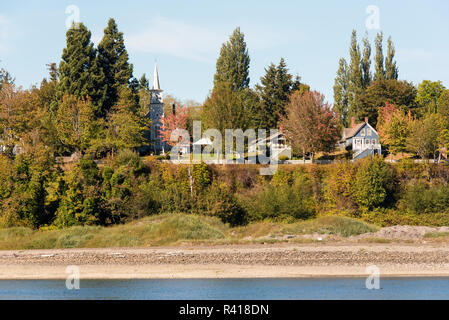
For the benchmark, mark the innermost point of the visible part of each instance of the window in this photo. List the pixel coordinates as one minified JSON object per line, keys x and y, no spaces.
{"x":367,"y":141}
{"x":362,"y":133}
{"x":368,"y":131}
{"x":373,"y":141}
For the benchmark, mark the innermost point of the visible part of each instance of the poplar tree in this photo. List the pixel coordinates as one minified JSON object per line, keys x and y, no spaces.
{"x":355,"y":76}
{"x":341,"y":106}
{"x":366,"y":63}
{"x":80,"y":74}
{"x":379,"y":59}
{"x":113,"y":58}
{"x":233,"y":62}
{"x":391,"y":70}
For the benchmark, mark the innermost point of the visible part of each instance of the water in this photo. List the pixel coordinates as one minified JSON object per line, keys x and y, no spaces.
{"x":226,"y":289}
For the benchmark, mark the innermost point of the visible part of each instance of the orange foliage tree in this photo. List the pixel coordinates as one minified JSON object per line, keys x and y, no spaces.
{"x":310,"y":125}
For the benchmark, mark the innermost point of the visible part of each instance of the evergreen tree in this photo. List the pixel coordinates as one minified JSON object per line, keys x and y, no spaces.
{"x":113,"y":58}
{"x":233,"y":62}
{"x":144,"y":83}
{"x":80,"y":74}
{"x":379,"y":59}
{"x":341,"y":106}
{"x":391,"y":70}
{"x":274,"y":90}
{"x":366,"y":63}
{"x":355,"y":76}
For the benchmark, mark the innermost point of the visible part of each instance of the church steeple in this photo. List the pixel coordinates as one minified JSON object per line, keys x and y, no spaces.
{"x":156,"y":79}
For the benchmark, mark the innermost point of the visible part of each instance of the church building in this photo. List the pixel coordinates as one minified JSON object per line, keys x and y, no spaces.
{"x":156,"y":112}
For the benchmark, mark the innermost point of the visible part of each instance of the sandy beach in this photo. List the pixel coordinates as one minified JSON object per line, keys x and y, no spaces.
{"x":229,"y":261}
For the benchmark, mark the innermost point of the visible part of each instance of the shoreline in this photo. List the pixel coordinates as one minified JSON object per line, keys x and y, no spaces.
{"x":229,"y":262}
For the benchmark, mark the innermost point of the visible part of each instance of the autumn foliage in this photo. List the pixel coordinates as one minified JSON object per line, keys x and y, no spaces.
{"x":171,"y":122}
{"x":310,"y":125}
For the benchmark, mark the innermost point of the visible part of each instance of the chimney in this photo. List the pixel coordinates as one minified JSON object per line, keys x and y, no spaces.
{"x":352,"y":122}
{"x":366,"y":119}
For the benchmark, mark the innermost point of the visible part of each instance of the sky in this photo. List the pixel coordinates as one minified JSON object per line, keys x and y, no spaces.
{"x":185,"y":36}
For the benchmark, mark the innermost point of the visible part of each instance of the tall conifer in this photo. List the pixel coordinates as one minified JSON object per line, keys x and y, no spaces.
{"x":113,"y":58}
{"x":233,"y":62}
{"x":80,"y":73}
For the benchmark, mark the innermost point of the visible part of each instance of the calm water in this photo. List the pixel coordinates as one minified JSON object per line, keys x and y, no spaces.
{"x":238,"y":289}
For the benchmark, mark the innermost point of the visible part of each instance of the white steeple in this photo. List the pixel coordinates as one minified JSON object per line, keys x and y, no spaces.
{"x":156,"y":79}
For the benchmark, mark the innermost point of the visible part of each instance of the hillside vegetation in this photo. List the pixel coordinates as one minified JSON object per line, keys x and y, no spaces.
{"x":125,"y":189}
{"x":172,"y":229}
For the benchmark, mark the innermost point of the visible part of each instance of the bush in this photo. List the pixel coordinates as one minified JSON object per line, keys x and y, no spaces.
{"x":283,"y":201}
{"x":375,"y":183}
{"x":420,"y":198}
{"x":219,"y":201}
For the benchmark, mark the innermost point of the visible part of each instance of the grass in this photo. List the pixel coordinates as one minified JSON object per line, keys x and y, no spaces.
{"x":436,"y":234}
{"x":172,"y":229}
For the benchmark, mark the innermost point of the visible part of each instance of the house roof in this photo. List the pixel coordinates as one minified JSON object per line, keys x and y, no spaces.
{"x":350,"y":132}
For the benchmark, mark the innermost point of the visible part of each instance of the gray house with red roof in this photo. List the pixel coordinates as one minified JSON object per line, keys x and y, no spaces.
{"x":362,"y":139}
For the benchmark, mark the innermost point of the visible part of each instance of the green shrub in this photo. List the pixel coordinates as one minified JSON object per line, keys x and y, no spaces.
{"x":375,"y":183}
{"x":283,"y":201}
{"x":420,"y":198}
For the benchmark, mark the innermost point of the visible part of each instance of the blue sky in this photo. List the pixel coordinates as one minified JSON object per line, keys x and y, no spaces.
{"x":185,"y":37}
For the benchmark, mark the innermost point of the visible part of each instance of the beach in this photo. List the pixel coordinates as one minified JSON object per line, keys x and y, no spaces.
{"x":281,"y":260}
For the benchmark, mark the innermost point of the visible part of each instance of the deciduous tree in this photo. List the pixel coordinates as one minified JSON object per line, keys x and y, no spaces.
{"x":310,"y":125}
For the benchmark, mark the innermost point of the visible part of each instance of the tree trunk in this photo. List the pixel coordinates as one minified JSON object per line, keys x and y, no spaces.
{"x":191,"y":181}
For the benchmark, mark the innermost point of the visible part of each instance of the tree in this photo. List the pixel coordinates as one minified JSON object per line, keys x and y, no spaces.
{"x":76,"y":123}
{"x":393,"y":128}
{"x":228,"y":109}
{"x":144,"y":83}
{"x":379,"y":58}
{"x":274,"y":90}
{"x":443,"y":104}
{"x":81,"y":202}
{"x":425,"y":135}
{"x":177,"y":119}
{"x":233,"y":62}
{"x":428,"y":94}
{"x":366,"y":63}
{"x":341,"y":106}
{"x":113,"y":59}
{"x":80,"y":73}
{"x":310,"y":125}
{"x":5,"y":78}
{"x":400,"y":93}
{"x":355,"y":76}
{"x":374,"y":183}
{"x":125,"y":125}
{"x":18,"y":111}
{"x":391,"y":70}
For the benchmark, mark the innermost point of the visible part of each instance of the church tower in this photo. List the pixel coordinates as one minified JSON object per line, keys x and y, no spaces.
{"x":155,"y":114}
